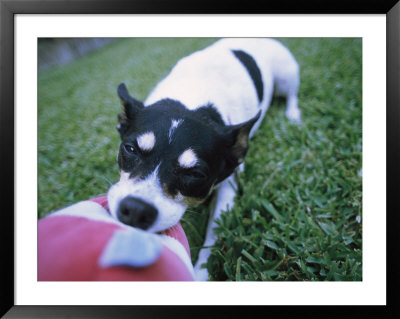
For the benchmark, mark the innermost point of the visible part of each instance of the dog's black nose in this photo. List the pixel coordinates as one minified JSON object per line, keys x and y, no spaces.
{"x":136,"y":212}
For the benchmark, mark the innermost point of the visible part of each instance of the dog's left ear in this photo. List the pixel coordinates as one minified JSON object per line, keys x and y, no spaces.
{"x":240,"y":137}
{"x":131,"y":107}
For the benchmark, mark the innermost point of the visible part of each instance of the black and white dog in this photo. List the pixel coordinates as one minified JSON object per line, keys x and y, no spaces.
{"x":192,"y":132}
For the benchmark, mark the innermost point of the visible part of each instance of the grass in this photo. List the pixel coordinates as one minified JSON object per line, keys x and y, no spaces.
{"x":298,"y":213}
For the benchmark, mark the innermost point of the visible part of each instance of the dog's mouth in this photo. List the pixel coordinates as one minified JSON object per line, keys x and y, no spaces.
{"x":176,"y":231}
{"x":172,"y":231}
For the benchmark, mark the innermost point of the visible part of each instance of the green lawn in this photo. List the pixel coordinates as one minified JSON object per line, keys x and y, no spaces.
{"x":298,"y":212}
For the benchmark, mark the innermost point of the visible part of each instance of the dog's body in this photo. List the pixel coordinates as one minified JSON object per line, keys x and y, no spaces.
{"x":192,"y":132}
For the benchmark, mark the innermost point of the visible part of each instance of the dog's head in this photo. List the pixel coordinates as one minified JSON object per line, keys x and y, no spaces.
{"x":170,"y":158}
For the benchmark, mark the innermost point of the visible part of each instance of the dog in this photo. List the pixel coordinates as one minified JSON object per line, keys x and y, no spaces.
{"x":191,"y":134}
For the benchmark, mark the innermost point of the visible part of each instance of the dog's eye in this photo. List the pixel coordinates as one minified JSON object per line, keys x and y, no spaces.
{"x":129,"y":148}
{"x":195,"y":174}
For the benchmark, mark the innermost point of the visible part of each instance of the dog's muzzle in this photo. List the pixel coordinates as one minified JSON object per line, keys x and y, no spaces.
{"x":136,"y":213}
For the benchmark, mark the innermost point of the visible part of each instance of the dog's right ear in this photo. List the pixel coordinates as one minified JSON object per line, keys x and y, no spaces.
{"x":130,"y":108}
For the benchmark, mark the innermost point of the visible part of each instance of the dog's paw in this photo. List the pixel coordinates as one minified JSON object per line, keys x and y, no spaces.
{"x":201,"y":274}
{"x":200,"y":268}
{"x":294,"y":115}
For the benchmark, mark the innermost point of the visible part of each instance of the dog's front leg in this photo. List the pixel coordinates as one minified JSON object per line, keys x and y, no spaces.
{"x":224,"y":201}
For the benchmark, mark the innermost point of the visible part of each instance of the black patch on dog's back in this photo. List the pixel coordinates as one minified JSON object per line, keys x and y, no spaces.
{"x":253,"y":70}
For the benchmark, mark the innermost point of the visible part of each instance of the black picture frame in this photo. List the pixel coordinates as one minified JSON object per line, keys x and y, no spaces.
{"x":8,"y":10}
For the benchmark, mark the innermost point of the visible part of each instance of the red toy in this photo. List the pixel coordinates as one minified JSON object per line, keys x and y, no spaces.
{"x":84,"y":243}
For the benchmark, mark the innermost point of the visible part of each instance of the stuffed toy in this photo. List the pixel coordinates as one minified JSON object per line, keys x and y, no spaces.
{"x":83,"y":242}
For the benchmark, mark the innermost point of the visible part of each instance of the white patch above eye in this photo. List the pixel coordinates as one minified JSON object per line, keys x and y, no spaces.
{"x":188,"y":158}
{"x":174,"y":126}
{"x":146,"y":141}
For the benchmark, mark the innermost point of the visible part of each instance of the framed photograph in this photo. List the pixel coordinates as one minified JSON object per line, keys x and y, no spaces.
{"x":56,"y":150}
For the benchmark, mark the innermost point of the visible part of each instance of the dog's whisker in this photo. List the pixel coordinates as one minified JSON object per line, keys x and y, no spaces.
{"x":110,"y":183}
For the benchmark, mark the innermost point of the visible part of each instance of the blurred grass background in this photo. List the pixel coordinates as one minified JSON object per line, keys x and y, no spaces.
{"x":298,"y":214}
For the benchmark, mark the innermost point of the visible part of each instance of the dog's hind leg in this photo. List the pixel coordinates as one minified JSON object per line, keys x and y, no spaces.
{"x":224,"y":201}
{"x":293,"y":112}
{"x":287,"y":82}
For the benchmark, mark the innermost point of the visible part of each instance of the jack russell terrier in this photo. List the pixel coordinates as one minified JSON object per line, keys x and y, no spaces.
{"x":192,"y":132}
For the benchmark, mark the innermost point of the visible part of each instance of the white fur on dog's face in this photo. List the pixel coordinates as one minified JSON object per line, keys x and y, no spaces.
{"x":170,"y":211}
